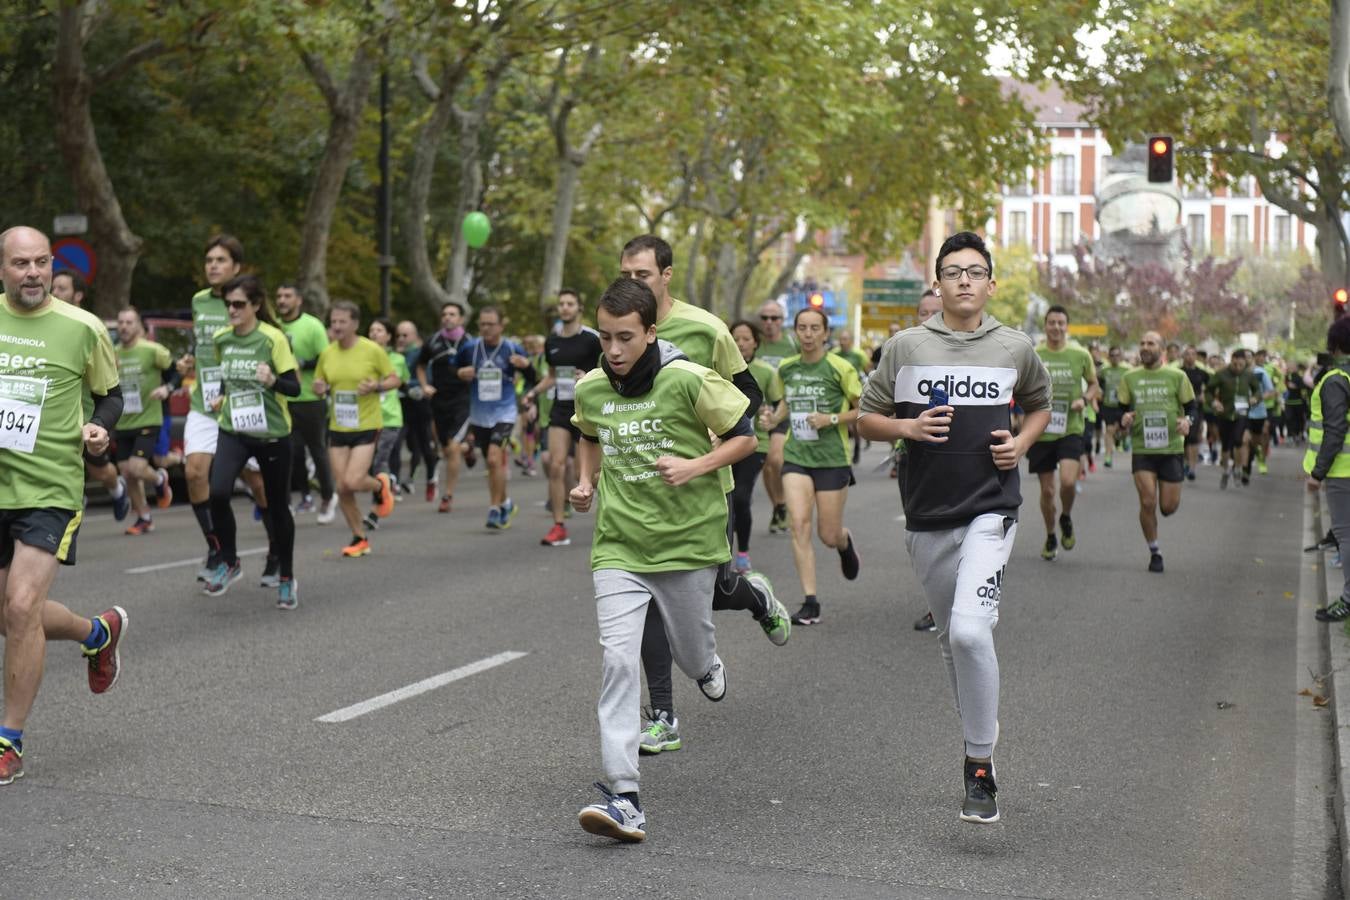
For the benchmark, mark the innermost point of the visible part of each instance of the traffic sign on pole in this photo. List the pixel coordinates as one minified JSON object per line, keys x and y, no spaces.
{"x":71,"y":254}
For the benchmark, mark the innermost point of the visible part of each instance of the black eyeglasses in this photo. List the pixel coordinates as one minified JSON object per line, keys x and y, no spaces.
{"x":237,"y":304}
{"x":771,"y":318}
{"x":974,"y":273}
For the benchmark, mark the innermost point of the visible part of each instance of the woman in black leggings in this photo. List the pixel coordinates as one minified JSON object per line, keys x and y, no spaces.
{"x":746,"y":472}
{"x":258,"y":373}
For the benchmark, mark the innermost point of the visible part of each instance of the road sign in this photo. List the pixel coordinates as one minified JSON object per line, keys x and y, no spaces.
{"x":892,"y":290}
{"x":878,"y":317}
{"x":71,"y":223}
{"x":1088,"y":329}
{"x":74,"y":255}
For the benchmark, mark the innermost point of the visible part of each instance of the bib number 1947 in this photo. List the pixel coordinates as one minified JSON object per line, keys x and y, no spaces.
{"x":21,"y":401}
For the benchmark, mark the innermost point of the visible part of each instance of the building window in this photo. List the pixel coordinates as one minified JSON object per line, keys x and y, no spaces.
{"x":1240,"y":234}
{"x":1284,"y":236}
{"x":1195,"y":232}
{"x":1064,"y":174}
{"x":1194,"y":190}
{"x":1065,"y":236}
{"x":1017,"y":229}
{"x":1246,"y":186}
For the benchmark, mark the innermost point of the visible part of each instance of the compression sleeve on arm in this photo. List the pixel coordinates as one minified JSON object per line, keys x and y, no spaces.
{"x":743,"y":429}
{"x":107,"y":408}
{"x":750,"y":388}
{"x":287,"y":384}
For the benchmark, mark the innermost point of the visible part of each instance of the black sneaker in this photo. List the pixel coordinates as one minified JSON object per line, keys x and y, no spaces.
{"x":1326,"y":543}
{"x":809,"y":614}
{"x":980,"y":805}
{"x":1066,"y":529}
{"x":1336,"y":611}
{"x":849,"y":560}
{"x":1246,"y":477}
{"x":1155,"y":563}
{"x":926,"y":623}
{"x":778,"y":521}
{"x":371,"y":521}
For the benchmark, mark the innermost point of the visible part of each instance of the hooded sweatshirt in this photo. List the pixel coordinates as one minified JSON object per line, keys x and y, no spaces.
{"x":947,"y":485}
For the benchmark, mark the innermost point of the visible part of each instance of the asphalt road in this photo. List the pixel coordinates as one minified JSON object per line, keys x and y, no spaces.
{"x":1148,"y":746}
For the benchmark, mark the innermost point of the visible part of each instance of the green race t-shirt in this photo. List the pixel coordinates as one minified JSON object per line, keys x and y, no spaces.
{"x":209,"y":315}
{"x":139,"y":369}
{"x":1235,"y":390}
{"x":1159,"y":397}
{"x":48,"y":360}
{"x":829,"y":385}
{"x":855,"y":358}
{"x":308,"y":339}
{"x":772,"y":389}
{"x":772,"y":353}
{"x":1110,"y":383}
{"x":1068,"y":369}
{"x":248,"y":407}
{"x":702,"y":337}
{"x":344,"y":370}
{"x":642,"y":524}
{"x":391,"y":411}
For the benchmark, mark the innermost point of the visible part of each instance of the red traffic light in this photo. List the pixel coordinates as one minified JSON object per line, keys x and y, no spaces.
{"x":1340,"y":295}
{"x":816,"y":300}
{"x":1160,"y":158}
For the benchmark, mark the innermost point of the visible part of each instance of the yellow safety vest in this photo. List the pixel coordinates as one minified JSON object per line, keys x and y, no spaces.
{"x":1340,"y":468}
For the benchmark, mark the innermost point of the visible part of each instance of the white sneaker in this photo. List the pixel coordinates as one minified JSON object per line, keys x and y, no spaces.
{"x":616,"y":817}
{"x":327,"y":510}
{"x":714,"y":684}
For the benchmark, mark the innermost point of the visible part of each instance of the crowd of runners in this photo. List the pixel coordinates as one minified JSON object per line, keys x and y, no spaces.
{"x":662,"y":419}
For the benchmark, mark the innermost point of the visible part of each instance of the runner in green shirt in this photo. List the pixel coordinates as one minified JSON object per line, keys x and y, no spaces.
{"x":1109,"y":376}
{"x":309,"y":412}
{"x":746,"y":472}
{"x":50,"y":352}
{"x":147,"y":375}
{"x":645,"y":418}
{"x":257,"y":373}
{"x":820,"y":402}
{"x":774,"y":347}
{"x":1230,"y":393}
{"x":1158,"y":406}
{"x":1061,"y":444}
{"x":391,"y":412}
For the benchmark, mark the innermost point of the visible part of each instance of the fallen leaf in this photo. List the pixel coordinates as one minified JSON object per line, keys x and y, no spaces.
{"x":1258,"y":560}
{"x":1319,"y":700}
{"x":1224,"y":704}
{"x":1305,"y":693}
{"x":1289,"y":595}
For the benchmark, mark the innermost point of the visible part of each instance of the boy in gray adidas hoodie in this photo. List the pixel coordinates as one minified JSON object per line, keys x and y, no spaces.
{"x":944,"y":387}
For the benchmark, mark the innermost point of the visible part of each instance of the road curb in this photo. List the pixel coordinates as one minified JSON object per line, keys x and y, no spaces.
{"x":1336,"y":651}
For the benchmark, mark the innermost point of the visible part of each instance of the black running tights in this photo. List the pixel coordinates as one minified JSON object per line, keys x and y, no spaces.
{"x":274,"y":459}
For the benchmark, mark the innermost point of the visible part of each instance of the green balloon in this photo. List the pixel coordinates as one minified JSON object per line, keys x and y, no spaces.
{"x":476,"y":229}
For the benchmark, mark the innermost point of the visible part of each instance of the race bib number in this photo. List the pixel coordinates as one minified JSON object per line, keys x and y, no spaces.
{"x":210,"y":386}
{"x":565,"y":380}
{"x":1156,"y":433}
{"x":800,"y":411}
{"x":1059,"y":417}
{"x":1112,"y":397}
{"x":489,"y":385}
{"x":21,"y":400}
{"x":1240,"y":405}
{"x":131,"y":397}
{"x":347,"y":409}
{"x":247,"y":413}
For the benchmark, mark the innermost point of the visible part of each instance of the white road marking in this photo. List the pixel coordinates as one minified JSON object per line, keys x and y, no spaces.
{"x":195,"y":561}
{"x":419,"y":687}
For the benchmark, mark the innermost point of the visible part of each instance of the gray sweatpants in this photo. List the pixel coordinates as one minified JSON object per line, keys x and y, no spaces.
{"x":684,"y":600}
{"x":961,"y":570}
{"x":1338,"y":505}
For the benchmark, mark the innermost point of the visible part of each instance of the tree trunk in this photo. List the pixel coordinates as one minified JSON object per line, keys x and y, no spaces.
{"x":429,"y":137}
{"x":570,"y":161}
{"x":691,"y":270}
{"x":345,"y":109}
{"x":1338,"y":76}
{"x":119,"y":248}
{"x":1331,"y":252}
{"x":470,"y":195}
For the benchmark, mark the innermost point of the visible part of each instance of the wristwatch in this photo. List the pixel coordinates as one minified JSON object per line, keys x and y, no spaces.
{"x":834,"y":418}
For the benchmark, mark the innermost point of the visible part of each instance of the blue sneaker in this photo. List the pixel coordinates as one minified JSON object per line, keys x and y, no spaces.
{"x":615,"y":816}
{"x":222,"y":578}
{"x":257,"y":513}
{"x":508,"y":512}
{"x":122,"y":504}
{"x":494,"y":520}
{"x":288,"y":594}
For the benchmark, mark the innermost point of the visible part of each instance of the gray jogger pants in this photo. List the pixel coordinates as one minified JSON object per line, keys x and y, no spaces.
{"x":961,"y":570}
{"x":684,"y":600}
{"x":1338,"y":505}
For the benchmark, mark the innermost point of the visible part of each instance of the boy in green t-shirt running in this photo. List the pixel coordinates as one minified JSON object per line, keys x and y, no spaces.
{"x":661,"y":525}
